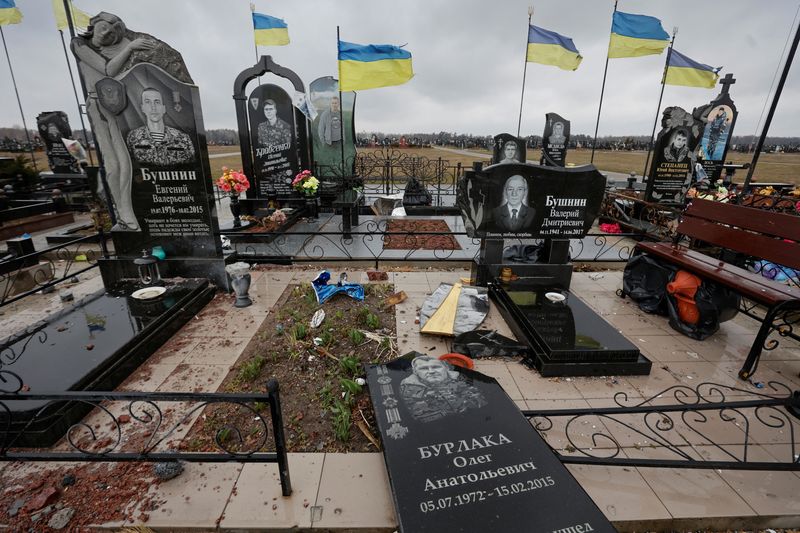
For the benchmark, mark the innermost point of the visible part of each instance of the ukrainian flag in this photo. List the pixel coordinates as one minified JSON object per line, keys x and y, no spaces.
{"x":682,"y":70}
{"x":270,"y":31}
{"x":549,"y":48}
{"x":9,"y":13}
{"x":636,"y":35}
{"x":369,"y":66}
{"x":80,"y":19}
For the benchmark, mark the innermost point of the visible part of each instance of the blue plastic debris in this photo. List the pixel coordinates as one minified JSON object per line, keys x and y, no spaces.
{"x":324,"y":291}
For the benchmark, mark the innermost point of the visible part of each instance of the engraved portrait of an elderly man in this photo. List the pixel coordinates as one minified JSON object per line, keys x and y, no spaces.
{"x":434,"y":391}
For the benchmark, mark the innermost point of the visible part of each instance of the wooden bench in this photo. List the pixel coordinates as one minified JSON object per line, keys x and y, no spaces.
{"x":756,"y":233}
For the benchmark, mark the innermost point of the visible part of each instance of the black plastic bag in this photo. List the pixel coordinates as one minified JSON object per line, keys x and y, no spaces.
{"x":715,"y":303}
{"x":645,"y":280}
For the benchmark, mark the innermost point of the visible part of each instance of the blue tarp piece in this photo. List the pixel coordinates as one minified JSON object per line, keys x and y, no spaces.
{"x":325,"y":291}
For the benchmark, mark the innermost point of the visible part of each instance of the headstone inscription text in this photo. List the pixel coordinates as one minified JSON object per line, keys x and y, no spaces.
{"x":461,"y":457}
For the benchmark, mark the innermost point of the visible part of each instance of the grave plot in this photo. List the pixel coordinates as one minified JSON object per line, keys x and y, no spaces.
{"x":325,"y":405}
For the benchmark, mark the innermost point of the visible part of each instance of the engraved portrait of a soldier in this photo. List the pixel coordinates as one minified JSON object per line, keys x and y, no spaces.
{"x":274,"y":130}
{"x":434,"y":391}
{"x":155,"y":143}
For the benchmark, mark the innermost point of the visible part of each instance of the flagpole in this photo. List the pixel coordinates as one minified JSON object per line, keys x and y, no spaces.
{"x":524,"y":72}
{"x":341,"y":104}
{"x":773,"y":106}
{"x":77,"y":100}
{"x":602,"y":88}
{"x":19,"y":102}
{"x":658,"y":108}
{"x":255,"y":44}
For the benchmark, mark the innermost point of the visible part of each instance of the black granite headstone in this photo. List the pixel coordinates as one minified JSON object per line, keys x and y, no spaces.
{"x":146,"y":116}
{"x":515,"y":200}
{"x":508,"y":149}
{"x":171,"y":191}
{"x":555,"y":140}
{"x":54,"y":126}
{"x":486,"y":343}
{"x":462,"y":458}
{"x":275,"y":144}
{"x":720,"y":118}
{"x":673,"y":157}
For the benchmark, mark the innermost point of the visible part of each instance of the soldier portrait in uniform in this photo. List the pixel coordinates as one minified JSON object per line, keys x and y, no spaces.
{"x":155,"y":143}
{"x":274,"y":130}
{"x":434,"y":391}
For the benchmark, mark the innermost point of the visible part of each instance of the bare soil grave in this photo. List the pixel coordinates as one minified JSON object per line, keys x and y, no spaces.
{"x":325,"y":406}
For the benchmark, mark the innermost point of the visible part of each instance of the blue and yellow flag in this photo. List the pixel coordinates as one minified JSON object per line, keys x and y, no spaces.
{"x":682,"y":70}
{"x":270,"y":31}
{"x":9,"y":13}
{"x":369,"y":66}
{"x":550,"y":48}
{"x":80,"y":19}
{"x":636,"y":35}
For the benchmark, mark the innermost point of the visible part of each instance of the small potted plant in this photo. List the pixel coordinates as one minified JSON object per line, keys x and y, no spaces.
{"x":234,"y":183}
{"x":307,"y":185}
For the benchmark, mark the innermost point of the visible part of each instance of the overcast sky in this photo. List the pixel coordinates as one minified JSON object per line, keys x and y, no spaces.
{"x":468,"y":58}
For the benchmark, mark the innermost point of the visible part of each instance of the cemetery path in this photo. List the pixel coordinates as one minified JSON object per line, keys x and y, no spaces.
{"x":338,"y":491}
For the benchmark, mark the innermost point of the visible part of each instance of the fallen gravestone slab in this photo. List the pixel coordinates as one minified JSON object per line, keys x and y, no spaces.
{"x":462,"y":458}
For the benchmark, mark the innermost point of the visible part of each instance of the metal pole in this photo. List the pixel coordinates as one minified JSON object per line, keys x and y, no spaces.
{"x":273,"y":393}
{"x":602,"y":90}
{"x":255,"y":44}
{"x":524,"y":72}
{"x":660,"y":96}
{"x":77,"y":100}
{"x":786,"y":67}
{"x":19,"y":102}
{"x":341,"y":105}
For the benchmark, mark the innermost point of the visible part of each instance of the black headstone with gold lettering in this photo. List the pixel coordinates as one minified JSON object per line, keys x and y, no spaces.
{"x":461,"y":456}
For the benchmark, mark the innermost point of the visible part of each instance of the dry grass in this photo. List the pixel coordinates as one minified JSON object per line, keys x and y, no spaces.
{"x":771,"y":167}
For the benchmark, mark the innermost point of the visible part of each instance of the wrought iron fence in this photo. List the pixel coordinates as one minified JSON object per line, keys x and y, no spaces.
{"x":710,"y":426}
{"x":377,"y":240}
{"x":144,"y":427}
{"x":27,"y":274}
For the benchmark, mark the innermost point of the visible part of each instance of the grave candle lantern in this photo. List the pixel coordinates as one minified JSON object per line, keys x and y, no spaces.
{"x":148,"y":269}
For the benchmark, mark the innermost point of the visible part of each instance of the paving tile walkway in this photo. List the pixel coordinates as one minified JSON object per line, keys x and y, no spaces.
{"x":351,"y":491}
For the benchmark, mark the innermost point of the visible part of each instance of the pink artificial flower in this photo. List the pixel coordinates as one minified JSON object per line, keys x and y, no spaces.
{"x":239,"y":188}
{"x":225,"y":187}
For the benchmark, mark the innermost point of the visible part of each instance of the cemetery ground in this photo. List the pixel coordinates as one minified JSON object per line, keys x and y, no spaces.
{"x":219,"y":350}
{"x":784,"y":168}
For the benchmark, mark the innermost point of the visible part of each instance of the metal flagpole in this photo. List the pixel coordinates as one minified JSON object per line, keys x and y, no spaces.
{"x":602,"y":90}
{"x":786,"y":67}
{"x":660,"y":96}
{"x":341,"y":106}
{"x":19,"y":102}
{"x":77,"y":100}
{"x":524,"y":71}
{"x":255,"y":44}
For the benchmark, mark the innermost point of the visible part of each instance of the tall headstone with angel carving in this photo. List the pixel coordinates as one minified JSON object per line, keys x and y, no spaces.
{"x":146,"y":116}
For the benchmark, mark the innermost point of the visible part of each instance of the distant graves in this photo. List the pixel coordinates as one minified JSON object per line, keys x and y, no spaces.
{"x":53,"y":127}
{"x":555,"y":140}
{"x":508,"y":149}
